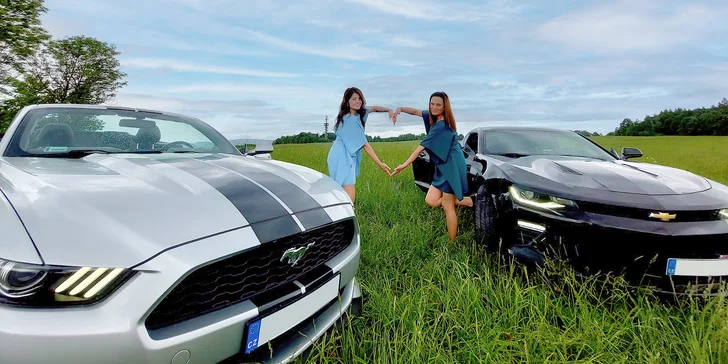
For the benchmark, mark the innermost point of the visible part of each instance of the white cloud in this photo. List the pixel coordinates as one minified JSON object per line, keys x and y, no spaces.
{"x":175,"y":65}
{"x":446,"y":10}
{"x":404,"y":41}
{"x":625,"y":26}
{"x":291,"y":92}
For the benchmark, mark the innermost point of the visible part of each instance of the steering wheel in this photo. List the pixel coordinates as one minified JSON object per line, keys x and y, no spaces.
{"x":179,"y":142}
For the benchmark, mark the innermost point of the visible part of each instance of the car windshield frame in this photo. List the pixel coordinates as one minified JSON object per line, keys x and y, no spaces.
{"x":220,"y":144}
{"x":586,"y":145}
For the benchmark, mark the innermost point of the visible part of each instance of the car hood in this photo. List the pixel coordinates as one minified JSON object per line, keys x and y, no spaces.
{"x":615,"y":176}
{"x":121,"y":209}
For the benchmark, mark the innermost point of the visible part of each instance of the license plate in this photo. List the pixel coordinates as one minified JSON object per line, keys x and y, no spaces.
{"x":261,"y":330}
{"x":697,"y":267}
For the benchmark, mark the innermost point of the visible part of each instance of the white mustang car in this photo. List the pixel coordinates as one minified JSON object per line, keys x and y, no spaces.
{"x":138,"y":236}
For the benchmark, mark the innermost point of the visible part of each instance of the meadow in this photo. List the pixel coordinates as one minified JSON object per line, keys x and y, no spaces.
{"x":427,"y":299}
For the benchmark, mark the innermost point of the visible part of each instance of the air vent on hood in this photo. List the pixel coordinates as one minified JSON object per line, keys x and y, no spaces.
{"x":566,"y":169}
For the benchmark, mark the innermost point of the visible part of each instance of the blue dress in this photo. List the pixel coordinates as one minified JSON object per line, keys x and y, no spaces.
{"x":445,"y":152}
{"x":345,"y":154}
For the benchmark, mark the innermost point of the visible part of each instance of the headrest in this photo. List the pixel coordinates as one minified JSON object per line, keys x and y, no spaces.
{"x":147,"y":136}
{"x":56,"y":135}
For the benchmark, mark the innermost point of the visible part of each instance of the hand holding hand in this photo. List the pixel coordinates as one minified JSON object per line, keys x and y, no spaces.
{"x":384,"y":167}
{"x":398,"y":169}
{"x":392,"y":117}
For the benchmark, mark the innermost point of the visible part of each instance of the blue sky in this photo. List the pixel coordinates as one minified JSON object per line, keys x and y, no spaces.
{"x":262,"y":69}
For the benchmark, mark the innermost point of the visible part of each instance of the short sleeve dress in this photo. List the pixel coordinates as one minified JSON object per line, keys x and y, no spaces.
{"x":445,"y":152}
{"x":345,"y":154}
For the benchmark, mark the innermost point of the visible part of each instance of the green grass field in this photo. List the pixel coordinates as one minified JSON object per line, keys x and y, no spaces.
{"x":427,"y":299}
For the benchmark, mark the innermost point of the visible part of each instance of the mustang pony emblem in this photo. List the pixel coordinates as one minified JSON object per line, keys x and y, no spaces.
{"x":295,"y":254}
{"x":664,"y":216}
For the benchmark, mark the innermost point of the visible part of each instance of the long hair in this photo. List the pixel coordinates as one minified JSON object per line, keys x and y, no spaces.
{"x":344,"y":107}
{"x":446,"y":110}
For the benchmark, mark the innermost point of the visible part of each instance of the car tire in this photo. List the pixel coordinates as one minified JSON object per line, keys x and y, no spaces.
{"x":485,"y":219}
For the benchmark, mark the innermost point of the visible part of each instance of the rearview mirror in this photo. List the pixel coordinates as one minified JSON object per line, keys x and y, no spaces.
{"x":137,"y":123}
{"x":629,"y":152}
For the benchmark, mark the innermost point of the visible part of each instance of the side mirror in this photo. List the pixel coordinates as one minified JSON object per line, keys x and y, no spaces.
{"x":242,"y":148}
{"x":629,"y":152}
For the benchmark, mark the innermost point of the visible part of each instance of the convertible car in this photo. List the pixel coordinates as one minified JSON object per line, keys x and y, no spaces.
{"x":141,"y":236}
{"x":542,"y":193}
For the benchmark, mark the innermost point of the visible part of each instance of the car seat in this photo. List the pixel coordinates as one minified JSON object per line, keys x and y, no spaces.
{"x":56,"y":135}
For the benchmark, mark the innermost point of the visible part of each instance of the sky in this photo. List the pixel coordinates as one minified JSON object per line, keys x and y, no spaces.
{"x":264,"y":68}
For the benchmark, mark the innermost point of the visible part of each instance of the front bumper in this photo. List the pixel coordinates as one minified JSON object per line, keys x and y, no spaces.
{"x":114,"y":330}
{"x":643,"y":252}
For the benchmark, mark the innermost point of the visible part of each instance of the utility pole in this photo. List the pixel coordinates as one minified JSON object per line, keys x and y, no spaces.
{"x":326,"y":127}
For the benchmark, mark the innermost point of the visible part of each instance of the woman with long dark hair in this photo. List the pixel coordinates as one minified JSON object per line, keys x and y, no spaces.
{"x":449,"y":185}
{"x":345,"y":154}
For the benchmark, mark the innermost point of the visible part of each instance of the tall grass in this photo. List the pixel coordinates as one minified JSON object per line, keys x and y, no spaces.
{"x":427,"y":299}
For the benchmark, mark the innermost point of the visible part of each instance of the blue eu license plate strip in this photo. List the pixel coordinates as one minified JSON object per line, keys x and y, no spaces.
{"x":261,"y":330}
{"x":671,"y":266}
{"x":253,"y":336}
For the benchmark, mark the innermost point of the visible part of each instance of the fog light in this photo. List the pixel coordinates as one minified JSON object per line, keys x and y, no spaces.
{"x":531,"y":226}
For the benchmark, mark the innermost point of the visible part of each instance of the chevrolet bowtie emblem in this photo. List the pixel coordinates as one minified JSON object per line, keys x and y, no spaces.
{"x":664,"y":216}
{"x":295,"y":254}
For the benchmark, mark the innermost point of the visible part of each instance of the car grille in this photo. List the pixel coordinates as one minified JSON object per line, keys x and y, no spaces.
{"x":643,"y":214}
{"x":243,"y":276}
{"x":641,"y":257}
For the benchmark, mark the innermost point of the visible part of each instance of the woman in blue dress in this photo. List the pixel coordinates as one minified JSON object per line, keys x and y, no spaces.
{"x":449,"y":186}
{"x":345,"y":154}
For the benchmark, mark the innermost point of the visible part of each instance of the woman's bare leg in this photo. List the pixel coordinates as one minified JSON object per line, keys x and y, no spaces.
{"x":351,"y":191}
{"x":448,"y":204}
{"x":434,"y":197}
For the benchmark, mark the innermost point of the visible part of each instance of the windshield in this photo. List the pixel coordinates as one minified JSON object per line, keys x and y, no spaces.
{"x":63,"y":131}
{"x":518,"y":143}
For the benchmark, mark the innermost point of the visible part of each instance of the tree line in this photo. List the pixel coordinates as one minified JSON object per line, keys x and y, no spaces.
{"x":700,"y":121}
{"x":308,"y":137}
{"x":37,"y":69}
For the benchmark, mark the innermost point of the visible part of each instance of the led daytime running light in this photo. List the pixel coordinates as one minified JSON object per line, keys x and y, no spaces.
{"x":77,"y":287}
{"x":516,"y":194}
{"x":723,"y":213}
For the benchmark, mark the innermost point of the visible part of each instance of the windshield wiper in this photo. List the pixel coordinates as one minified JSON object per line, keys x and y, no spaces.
{"x":186,"y":151}
{"x":80,"y":153}
{"x":76,"y":153}
{"x":512,"y":155}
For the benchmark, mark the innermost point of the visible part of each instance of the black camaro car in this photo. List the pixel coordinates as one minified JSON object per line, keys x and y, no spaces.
{"x":544,"y":193}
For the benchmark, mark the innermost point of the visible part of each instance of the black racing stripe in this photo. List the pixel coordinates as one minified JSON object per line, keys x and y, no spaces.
{"x":293,"y":196}
{"x":253,"y":202}
{"x":270,"y":230}
{"x":313,"y":218}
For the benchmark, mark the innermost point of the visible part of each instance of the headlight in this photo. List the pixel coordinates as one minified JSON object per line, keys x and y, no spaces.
{"x":537,"y":200}
{"x":48,"y":286}
{"x":723,"y":213}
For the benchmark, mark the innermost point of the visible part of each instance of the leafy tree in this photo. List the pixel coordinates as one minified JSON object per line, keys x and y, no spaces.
{"x":700,"y":121}
{"x":78,"y":70}
{"x":20,"y":35}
